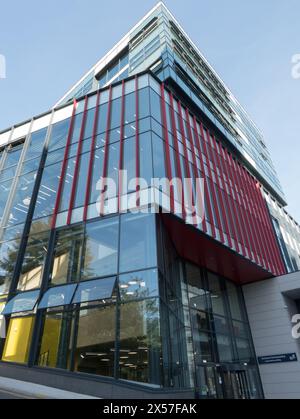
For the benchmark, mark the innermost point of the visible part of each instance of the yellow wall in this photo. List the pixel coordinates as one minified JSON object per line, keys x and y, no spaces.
{"x":18,"y":340}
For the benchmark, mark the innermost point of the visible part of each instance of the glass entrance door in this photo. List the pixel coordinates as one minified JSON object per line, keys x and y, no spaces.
{"x":236,"y":384}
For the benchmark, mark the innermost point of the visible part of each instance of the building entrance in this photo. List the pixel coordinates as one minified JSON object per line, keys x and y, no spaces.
{"x":215,"y":382}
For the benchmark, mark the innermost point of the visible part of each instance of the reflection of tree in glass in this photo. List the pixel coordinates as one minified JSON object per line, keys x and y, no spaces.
{"x":8,"y":260}
{"x":68,"y":255}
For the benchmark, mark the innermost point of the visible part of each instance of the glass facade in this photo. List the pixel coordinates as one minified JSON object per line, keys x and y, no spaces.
{"x":88,"y":287}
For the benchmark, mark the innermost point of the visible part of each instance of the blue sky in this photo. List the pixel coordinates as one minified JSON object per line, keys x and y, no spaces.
{"x":49,"y":45}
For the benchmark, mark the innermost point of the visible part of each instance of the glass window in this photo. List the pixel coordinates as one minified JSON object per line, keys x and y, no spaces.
{"x":221,"y":325}
{"x":113,"y":169}
{"x":116,"y":108}
{"x":146,"y":168}
{"x":89,"y":123}
{"x":113,"y":71}
{"x":158,"y":157}
{"x":13,"y":156}
{"x":138,"y":242}
{"x":30,"y":165}
{"x":95,"y":346}
{"x":8,"y":256}
{"x":8,"y":174}
{"x":129,"y":164}
{"x":77,"y":127}
{"x":203,"y":344}
{"x":82,"y":180}
{"x":140,"y":343}
{"x":21,"y":303}
{"x":244,"y":350}
{"x":144,"y":103}
{"x":17,"y":344}
{"x":33,"y":262}
{"x":200,"y":321}
{"x":36,"y":144}
{"x":102,"y":118}
{"x":67,"y":185}
{"x":4,"y":193}
{"x":224,"y":348}
{"x":59,"y":135}
{"x":57,"y":296}
{"x":217,"y":295}
{"x":45,"y":202}
{"x":130,"y":108}
{"x":101,"y":249}
{"x":155,"y":105}
{"x":22,"y":198}
{"x":234,"y":301}
{"x":196,"y":289}
{"x":66,"y":260}
{"x":97,"y":174}
{"x":141,"y":284}
{"x":55,"y":344}
{"x":101,"y":289}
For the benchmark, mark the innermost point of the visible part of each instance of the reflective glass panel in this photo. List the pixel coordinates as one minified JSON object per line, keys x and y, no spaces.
{"x":56,"y":339}
{"x":59,"y":135}
{"x":33,"y":262}
{"x":141,"y":284}
{"x":48,"y":189}
{"x":22,"y":302}
{"x":57,"y":296}
{"x":96,"y":336}
{"x":101,"y":289}
{"x":66,"y":261}
{"x":138,"y":242}
{"x":140,"y":343}
{"x":101,"y":248}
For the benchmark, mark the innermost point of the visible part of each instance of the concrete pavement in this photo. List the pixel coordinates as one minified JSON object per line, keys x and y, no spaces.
{"x":14,"y":389}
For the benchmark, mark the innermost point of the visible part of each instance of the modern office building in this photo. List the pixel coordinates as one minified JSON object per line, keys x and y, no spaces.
{"x":138,"y":291}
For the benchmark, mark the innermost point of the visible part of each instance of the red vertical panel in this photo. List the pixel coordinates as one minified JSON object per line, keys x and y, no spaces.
{"x":77,"y":163}
{"x":167,"y":144}
{"x":256,"y":219}
{"x":91,"y":162}
{"x":248,"y":229}
{"x":251,"y":227}
{"x":64,"y":166}
{"x":252,"y":222}
{"x":222,"y":170}
{"x":186,"y":157}
{"x":106,"y":151}
{"x":120,"y":190}
{"x":264,"y":225}
{"x":195,"y":165}
{"x":214,"y":154}
{"x":176,"y":147}
{"x":137,"y":141}
{"x":235,"y":204}
{"x":213,"y":191}
{"x":269,"y":228}
{"x":207,"y":195}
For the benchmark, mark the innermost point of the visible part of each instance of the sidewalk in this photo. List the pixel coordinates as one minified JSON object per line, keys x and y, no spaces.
{"x":36,"y":391}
